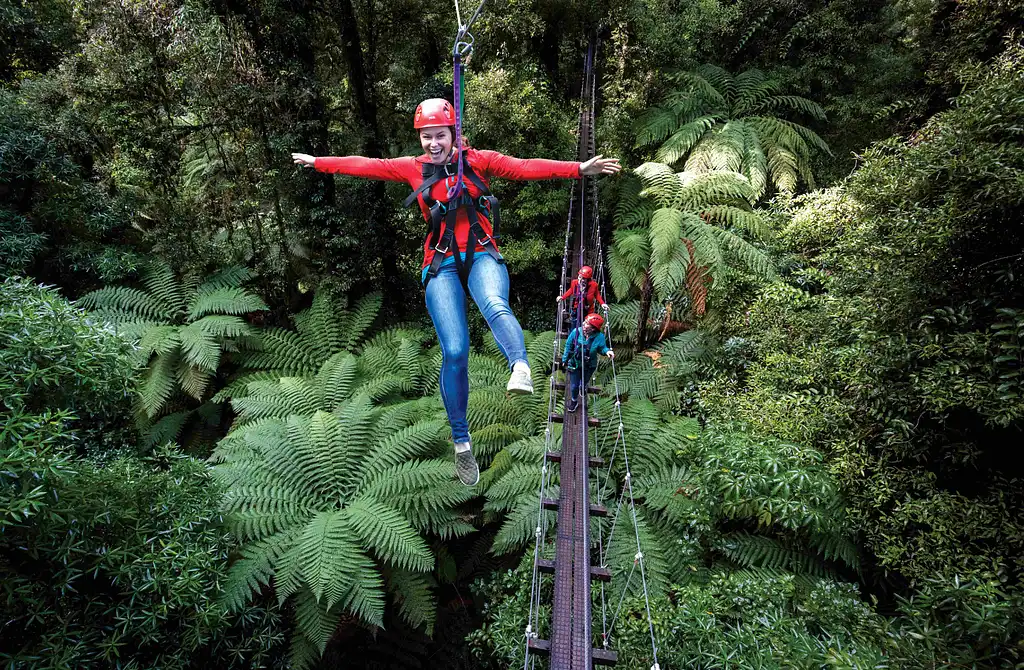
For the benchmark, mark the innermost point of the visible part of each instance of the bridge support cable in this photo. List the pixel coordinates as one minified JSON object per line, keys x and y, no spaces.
{"x":627,"y":488}
{"x":541,"y":529}
{"x":571,"y":640}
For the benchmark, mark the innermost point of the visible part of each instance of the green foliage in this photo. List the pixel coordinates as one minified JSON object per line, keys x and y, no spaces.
{"x":964,"y":622}
{"x":892,"y":341}
{"x":182,"y":329}
{"x":55,"y":357}
{"x":332,"y":498}
{"x":720,"y":122}
{"x":55,"y":223}
{"x":113,"y":565}
{"x":677,"y":234}
{"x":748,"y":619}
{"x":324,"y":330}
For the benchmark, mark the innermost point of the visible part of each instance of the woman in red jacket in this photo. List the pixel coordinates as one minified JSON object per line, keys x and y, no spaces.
{"x":584,"y":290}
{"x":460,"y":212}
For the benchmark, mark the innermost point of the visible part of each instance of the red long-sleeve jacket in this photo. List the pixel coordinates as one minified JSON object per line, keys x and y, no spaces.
{"x":593,"y":293}
{"x":486,"y":164}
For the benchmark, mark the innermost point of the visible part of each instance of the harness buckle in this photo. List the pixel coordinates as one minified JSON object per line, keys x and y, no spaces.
{"x":441,"y":251}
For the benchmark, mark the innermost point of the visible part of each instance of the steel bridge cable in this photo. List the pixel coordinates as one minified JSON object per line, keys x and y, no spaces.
{"x":540,"y":532}
{"x":629,"y":487}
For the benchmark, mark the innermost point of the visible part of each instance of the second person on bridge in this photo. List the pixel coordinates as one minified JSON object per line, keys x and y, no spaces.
{"x":460,"y":253}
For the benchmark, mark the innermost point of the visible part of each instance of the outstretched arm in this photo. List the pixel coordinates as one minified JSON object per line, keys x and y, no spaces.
{"x":390,"y":169}
{"x":500,"y":165}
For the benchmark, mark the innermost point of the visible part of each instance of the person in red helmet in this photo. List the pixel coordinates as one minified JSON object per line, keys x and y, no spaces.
{"x":460,"y":252}
{"x":584,"y":288}
{"x":579,"y":358}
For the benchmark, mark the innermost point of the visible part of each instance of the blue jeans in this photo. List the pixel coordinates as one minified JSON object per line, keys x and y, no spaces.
{"x":446,"y":303}
{"x":576,"y":385}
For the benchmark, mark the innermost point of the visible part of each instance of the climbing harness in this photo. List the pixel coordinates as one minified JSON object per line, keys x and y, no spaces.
{"x":485,"y":205}
{"x":447,"y":211}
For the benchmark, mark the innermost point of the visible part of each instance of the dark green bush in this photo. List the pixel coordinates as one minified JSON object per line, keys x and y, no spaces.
{"x":53,"y":357}
{"x":115,"y":565}
{"x":893,"y":345}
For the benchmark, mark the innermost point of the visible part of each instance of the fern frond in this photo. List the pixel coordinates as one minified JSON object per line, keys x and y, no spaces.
{"x":158,"y":384}
{"x":252,"y":572}
{"x":283,"y":350}
{"x":337,"y":379}
{"x":161,"y":340}
{"x":122,"y":303}
{"x":223,"y":326}
{"x":316,"y":623}
{"x":361,"y":318}
{"x":239,"y":388}
{"x":193,"y":381}
{"x":710,"y":82}
{"x":794,"y":102}
{"x":416,"y":441}
{"x":230,"y":277}
{"x":762,"y":552}
{"x":224,"y":301}
{"x":740,"y":219}
{"x":416,"y":602}
{"x":322,"y":326}
{"x":517,"y":530}
{"x":680,"y":142}
{"x":382,"y":529}
{"x":199,"y":348}
{"x":654,"y":125}
{"x":161,"y":284}
{"x":167,"y":428}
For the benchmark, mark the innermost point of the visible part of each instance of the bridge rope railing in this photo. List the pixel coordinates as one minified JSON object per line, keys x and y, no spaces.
{"x":586,"y":135}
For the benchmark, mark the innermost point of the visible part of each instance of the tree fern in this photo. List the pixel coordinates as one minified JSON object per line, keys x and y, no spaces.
{"x":333,"y":505}
{"x":322,"y":331}
{"x":678,"y":235}
{"x":716,"y":121}
{"x":183,"y":327}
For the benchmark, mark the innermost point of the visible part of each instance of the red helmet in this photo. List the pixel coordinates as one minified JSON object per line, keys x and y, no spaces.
{"x":595,"y":320}
{"x":434,"y":112}
{"x":586,"y":272}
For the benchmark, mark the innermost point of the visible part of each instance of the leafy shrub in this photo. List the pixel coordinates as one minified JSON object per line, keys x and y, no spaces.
{"x":892,"y":341}
{"x":114,"y":565}
{"x":55,"y":222}
{"x":55,"y":357}
{"x":101,"y":565}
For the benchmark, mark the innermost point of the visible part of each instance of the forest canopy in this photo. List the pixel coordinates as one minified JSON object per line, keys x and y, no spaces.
{"x":224,"y":439}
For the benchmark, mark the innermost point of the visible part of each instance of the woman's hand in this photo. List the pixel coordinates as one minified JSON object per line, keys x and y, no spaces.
{"x":600,"y":165}
{"x":610,"y":354}
{"x":305,"y":160}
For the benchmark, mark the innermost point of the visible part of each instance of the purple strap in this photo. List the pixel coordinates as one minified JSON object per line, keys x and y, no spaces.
{"x":456,"y":190}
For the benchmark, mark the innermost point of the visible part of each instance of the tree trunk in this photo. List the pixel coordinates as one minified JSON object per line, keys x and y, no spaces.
{"x":646,"y":297}
{"x":381,"y":234}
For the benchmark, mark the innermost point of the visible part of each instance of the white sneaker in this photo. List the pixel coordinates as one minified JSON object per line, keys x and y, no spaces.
{"x":520,"y":381}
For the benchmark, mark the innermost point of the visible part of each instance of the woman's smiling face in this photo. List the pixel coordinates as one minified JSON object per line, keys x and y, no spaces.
{"x":437,"y":143}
